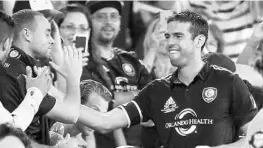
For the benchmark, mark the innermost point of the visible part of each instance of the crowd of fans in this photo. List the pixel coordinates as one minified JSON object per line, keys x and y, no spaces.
{"x":175,"y":88}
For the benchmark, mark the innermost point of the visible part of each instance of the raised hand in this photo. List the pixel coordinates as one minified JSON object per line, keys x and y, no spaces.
{"x":42,"y":81}
{"x":71,"y":68}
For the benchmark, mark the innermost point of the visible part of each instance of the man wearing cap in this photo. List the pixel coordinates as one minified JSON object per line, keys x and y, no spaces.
{"x":123,"y":73}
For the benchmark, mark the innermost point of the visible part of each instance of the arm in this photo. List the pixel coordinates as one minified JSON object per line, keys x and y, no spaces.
{"x":122,"y":116}
{"x":124,"y":97}
{"x":248,"y":53}
{"x":22,"y":116}
{"x":102,"y":122}
{"x":67,"y":111}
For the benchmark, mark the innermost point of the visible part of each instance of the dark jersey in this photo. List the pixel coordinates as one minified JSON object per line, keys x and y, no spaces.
{"x":15,"y":65}
{"x":124,"y":70}
{"x":207,"y":112}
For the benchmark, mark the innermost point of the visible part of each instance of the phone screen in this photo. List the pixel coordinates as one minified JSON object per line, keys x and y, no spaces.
{"x":81,"y":42}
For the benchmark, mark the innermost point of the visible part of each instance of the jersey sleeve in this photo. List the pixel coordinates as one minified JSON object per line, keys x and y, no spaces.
{"x":139,"y":108}
{"x":243,"y":107}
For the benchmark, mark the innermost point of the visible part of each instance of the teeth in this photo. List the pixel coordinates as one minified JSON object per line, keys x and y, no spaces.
{"x":173,"y":51}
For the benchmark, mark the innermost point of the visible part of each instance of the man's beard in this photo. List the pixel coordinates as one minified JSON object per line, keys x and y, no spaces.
{"x":104,"y":40}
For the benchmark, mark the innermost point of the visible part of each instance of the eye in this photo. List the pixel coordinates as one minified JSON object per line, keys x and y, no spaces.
{"x":167,"y":36}
{"x":179,"y":36}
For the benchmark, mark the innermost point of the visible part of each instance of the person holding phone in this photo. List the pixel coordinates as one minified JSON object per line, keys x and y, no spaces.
{"x":74,"y":28}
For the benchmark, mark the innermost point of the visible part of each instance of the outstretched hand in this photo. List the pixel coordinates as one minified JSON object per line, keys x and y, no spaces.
{"x":71,"y":68}
{"x":42,"y":81}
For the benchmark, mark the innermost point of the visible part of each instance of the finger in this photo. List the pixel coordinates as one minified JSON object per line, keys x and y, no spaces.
{"x":28,"y":72}
{"x":75,"y":53}
{"x":85,"y":54}
{"x":65,"y":50}
{"x":67,"y":137}
{"x":79,"y":54}
{"x":70,"y":51}
{"x":45,"y":72}
{"x":56,"y":67}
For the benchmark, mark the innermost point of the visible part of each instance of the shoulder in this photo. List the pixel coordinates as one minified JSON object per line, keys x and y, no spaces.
{"x":221,"y":71}
{"x":119,"y":51}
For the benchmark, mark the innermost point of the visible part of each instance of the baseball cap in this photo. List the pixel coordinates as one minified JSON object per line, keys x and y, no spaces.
{"x":43,"y":6}
{"x":219,"y":59}
{"x":94,"y":6}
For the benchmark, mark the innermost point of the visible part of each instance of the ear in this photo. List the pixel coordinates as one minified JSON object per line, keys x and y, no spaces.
{"x":26,"y":33}
{"x":199,"y":41}
{"x":7,"y":44}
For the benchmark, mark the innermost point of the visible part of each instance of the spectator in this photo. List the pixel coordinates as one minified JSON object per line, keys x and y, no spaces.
{"x":196,"y":100}
{"x":96,"y":96}
{"x":22,"y":115}
{"x":121,"y":71}
{"x":33,"y":41}
{"x":13,"y":137}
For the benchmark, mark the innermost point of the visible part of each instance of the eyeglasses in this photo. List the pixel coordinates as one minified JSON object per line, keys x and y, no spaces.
{"x":103,"y":17}
{"x":72,"y":28}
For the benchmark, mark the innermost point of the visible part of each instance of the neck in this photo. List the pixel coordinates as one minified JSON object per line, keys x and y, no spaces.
{"x":104,"y":50}
{"x":190,"y":71}
{"x":24,"y":46}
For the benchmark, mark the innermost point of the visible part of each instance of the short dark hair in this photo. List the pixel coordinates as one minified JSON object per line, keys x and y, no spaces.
{"x":7,"y":26}
{"x":89,"y":86}
{"x":25,"y":19}
{"x":9,"y":130}
{"x":198,"y":24}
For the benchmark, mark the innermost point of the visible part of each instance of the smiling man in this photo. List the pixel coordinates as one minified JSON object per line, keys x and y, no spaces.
{"x":199,"y":104}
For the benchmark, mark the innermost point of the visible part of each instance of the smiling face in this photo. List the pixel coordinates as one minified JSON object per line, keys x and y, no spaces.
{"x":75,"y":23}
{"x":105,"y":25}
{"x":180,"y":44}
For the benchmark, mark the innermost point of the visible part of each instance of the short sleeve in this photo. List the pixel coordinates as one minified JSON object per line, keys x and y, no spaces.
{"x":243,"y":107}
{"x":46,"y":105}
{"x":139,"y":108}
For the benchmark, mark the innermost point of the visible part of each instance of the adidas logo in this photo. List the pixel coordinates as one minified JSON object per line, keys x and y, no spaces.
{"x":169,"y":106}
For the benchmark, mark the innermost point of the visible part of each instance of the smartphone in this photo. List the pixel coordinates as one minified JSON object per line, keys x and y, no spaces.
{"x":164,"y":15}
{"x":81,"y":42}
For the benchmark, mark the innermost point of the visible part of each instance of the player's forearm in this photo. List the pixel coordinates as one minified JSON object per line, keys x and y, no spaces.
{"x":102,"y":122}
{"x":124,"y":97}
{"x":72,"y":102}
{"x":24,"y":113}
{"x":249,"y":51}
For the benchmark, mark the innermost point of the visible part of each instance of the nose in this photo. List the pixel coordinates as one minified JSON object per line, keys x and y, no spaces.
{"x":51,"y":40}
